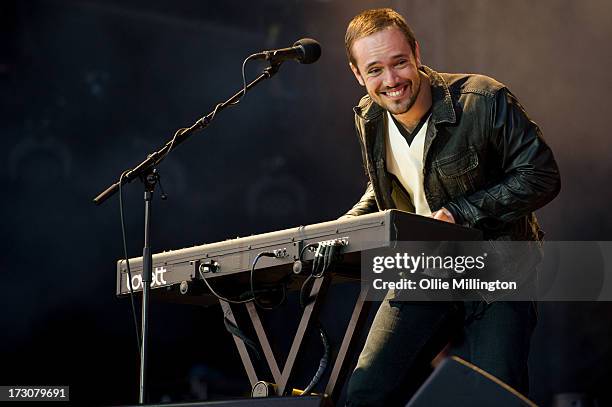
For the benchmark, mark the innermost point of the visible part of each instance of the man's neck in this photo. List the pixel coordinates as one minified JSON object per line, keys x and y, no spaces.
{"x":413,"y":116}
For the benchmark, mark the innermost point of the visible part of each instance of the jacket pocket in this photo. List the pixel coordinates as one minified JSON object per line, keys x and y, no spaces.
{"x":458,"y":171}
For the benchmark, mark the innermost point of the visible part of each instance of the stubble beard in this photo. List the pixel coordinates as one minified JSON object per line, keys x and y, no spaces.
{"x":405,"y":106}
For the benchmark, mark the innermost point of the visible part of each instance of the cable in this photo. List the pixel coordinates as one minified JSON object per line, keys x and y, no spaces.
{"x":205,"y":121}
{"x":127,"y":261}
{"x":308,"y":246}
{"x":324,"y":258}
{"x":252,"y":284}
{"x":220,"y":297}
{"x":229,"y":325}
{"x":234,"y":330}
{"x":304,"y":292}
{"x":252,"y":291}
{"x":332,"y":255}
{"x":314,"y":273}
{"x":322,"y":362}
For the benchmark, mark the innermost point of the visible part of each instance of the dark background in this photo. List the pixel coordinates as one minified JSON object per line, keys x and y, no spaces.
{"x":88,"y":88}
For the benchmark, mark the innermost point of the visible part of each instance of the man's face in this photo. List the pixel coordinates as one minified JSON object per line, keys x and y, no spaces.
{"x":388,"y":69}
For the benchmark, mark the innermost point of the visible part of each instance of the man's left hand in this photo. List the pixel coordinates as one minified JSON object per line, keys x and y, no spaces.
{"x":443,"y":215}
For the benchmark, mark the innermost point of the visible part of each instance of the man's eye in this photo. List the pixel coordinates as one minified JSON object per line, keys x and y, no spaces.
{"x":401,"y":63}
{"x":374,"y":71}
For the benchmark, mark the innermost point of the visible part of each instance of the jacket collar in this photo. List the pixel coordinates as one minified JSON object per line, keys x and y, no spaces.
{"x":442,"y":104}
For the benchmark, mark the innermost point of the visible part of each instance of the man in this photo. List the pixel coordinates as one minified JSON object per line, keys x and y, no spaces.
{"x":461,"y":149}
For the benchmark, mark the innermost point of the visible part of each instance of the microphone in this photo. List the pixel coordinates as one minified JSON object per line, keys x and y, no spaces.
{"x":305,"y":51}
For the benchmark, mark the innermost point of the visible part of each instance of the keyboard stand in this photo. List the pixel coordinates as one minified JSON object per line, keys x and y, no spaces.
{"x":340,"y":368}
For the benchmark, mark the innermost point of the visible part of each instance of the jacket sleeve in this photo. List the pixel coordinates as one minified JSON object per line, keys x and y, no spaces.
{"x":367,"y":204}
{"x":530,"y":176}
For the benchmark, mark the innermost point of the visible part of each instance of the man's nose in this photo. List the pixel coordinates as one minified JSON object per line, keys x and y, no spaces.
{"x":390,"y":78}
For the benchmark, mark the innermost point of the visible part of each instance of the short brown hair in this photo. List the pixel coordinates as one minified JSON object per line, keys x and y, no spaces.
{"x":372,"y":21}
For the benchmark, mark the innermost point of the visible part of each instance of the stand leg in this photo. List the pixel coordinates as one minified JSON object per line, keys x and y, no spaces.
{"x":340,"y":370}
{"x":149,"y":181}
{"x":242,"y":350}
{"x":311,"y":311}
{"x":263,"y":341}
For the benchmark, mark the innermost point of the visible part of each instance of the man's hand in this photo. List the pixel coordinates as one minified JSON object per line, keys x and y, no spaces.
{"x":444,"y":215}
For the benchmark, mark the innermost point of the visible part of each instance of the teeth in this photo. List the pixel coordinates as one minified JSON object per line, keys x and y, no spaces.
{"x":395,"y":93}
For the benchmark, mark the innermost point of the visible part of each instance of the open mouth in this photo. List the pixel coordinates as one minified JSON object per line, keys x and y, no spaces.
{"x":396,"y":92}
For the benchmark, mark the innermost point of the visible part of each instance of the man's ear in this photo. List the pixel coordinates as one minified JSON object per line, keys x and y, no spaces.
{"x":417,"y":54}
{"x":357,"y":74}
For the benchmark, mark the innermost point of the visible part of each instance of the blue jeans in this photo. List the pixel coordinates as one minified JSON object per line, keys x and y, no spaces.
{"x":406,"y":336}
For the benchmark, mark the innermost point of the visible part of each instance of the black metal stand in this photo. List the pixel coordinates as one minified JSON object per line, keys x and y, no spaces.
{"x":149,"y":180}
{"x":148,"y":174}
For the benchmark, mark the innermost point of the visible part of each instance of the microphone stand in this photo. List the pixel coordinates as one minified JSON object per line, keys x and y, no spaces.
{"x":148,"y":174}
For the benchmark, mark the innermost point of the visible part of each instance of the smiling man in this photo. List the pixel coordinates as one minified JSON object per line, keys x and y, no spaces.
{"x":458,"y":148}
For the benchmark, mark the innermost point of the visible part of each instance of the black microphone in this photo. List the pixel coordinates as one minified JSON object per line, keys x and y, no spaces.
{"x":305,"y":51}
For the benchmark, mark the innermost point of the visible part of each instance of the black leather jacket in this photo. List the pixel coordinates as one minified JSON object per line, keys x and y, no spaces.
{"x":484,"y":159}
